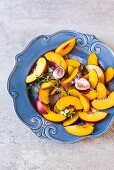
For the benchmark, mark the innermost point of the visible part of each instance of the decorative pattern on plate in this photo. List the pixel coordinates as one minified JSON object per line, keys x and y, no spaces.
{"x":42,"y":128}
{"x":89,"y":42}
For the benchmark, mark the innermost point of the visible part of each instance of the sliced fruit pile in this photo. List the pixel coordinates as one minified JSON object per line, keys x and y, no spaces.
{"x":70,"y":92}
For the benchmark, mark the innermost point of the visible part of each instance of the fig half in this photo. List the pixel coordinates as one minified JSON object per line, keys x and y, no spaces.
{"x":82,"y":84}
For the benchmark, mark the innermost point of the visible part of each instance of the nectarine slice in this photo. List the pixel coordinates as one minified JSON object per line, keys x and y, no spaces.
{"x":47,"y":85}
{"x":101,"y":90}
{"x":92,"y":59}
{"x":54,"y":117}
{"x":93,"y":78}
{"x":41,"y":67}
{"x":99,"y":71}
{"x":66,"y":47}
{"x":70,"y":69}
{"x":68,"y":81}
{"x":102,"y":104}
{"x":44,"y":95}
{"x":72,"y":62}
{"x":66,"y":101}
{"x":109,"y":74}
{"x":56,"y":59}
{"x":85,"y":103}
{"x":70,"y":120}
{"x":80,"y":130}
{"x":74,"y":92}
{"x":91,"y":94}
{"x":41,"y":108}
{"x":92,"y":117}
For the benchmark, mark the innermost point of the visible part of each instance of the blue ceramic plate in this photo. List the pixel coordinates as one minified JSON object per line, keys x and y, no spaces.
{"x":24,"y":62}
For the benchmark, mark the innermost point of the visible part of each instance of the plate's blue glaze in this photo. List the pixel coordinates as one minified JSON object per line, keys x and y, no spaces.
{"x":24,"y":61}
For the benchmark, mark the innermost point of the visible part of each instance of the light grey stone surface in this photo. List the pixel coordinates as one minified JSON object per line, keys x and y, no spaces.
{"x":20,"y":22}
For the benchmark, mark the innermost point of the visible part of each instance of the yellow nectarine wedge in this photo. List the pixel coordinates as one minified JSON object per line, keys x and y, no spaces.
{"x":56,"y":59}
{"x":66,"y":47}
{"x":102,"y":104}
{"x":44,"y":95}
{"x":31,"y":78}
{"x":70,"y":69}
{"x":109,"y":74}
{"x":71,"y":120}
{"x":92,"y":117}
{"x":101,"y":77}
{"x":72,"y":62}
{"x":80,"y":130}
{"x":93,"y":78}
{"x":91,"y":94}
{"x":41,"y":67}
{"x":67,"y":101}
{"x":68,"y":81}
{"x":72,"y":91}
{"x":85,"y":103}
{"x":92,"y":59}
{"x":54,"y":117}
{"x":101,"y":90}
{"x":46,"y":85}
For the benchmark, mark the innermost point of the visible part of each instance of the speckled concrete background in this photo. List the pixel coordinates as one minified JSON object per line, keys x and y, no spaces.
{"x":20,"y":22}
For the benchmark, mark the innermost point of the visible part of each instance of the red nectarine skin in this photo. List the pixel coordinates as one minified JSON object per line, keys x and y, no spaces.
{"x":41,"y":108}
{"x":65,"y":46}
